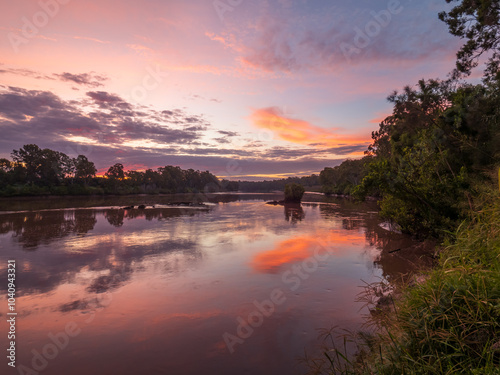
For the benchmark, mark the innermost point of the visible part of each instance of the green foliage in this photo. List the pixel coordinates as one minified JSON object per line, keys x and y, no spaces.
{"x":478,"y":22}
{"x":230,"y":185}
{"x":343,"y":178}
{"x":452,"y":322}
{"x":294,"y":193}
{"x":428,"y":153}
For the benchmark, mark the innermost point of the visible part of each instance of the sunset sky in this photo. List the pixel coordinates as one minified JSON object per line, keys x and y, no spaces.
{"x":246,"y":89}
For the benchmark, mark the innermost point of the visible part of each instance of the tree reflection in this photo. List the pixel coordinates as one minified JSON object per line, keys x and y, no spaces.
{"x":115,"y":217}
{"x":294,"y":212}
{"x":48,"y":268}
{"x":84,"y":221}
{"x":33,"y":229}
{"x":394,"y":265}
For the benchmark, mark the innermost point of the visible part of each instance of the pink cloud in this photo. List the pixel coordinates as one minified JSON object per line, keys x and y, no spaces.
{"x":91,"y":39}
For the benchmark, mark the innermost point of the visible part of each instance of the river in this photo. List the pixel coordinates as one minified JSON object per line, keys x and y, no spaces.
{"x":233,"y":287}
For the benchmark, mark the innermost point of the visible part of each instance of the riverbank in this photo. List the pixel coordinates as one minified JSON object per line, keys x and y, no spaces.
{"x":446,"y":321}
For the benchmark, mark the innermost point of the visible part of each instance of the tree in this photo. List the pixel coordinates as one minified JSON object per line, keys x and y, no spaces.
{"x":5,"y":165}
{"x":230,"y":185}
{"x":29,"y":158}
{"x":294,"y":193}
{"x":433,"y":149}
{"x":84,"y":169}
{"x":115,"y":172}
{"x":477,"y":21}
{"x":343,"y":178}
{"x":6,"y":168}
{"x":46,"y":167}
{"x":172,"y":178}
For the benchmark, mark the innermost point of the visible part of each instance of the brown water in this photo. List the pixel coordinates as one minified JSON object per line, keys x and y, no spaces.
{"x":165,"y":290}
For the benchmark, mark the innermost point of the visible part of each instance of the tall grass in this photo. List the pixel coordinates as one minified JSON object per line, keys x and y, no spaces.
{"x":448,"y":324}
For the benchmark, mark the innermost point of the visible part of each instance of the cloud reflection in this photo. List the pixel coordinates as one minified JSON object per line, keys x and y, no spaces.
{"x":299,"y":248}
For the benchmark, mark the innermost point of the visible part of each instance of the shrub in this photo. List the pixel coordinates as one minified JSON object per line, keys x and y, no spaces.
{"x":294,"y":192}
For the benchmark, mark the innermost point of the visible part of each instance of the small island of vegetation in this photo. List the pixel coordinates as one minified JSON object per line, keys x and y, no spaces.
{"x":294,"y":193}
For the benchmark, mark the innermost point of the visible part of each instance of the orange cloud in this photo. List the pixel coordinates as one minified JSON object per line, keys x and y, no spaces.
{"x":139,"y":48}
{"x":300,"y":131}
{"x":297,"y":249}
{"x":226,"y":39}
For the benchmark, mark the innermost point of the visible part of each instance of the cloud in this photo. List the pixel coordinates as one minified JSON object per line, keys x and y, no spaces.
{"x":25,"y":73}
{"x":273,"y":48}
{"x":106,"y":100}
{"x":302,"y":132}
{"x":108,"y":129}
{"x":31,"y":116}
{"x":84,"y":79}
{"x":222,"y":140}
{"x":18,"y":104}
{"x":139,"y":48}
{"x":91,"y":39}
{"x":284,"y":153}
{"x":315,"y":38}
{"x":227,"y":133}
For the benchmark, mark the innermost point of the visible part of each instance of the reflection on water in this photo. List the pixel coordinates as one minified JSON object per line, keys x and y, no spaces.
{"x":154,"y":291}
{"x":294,"y":212}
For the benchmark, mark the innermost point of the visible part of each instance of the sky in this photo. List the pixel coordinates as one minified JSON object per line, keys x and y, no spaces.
{"x":246,"y":89}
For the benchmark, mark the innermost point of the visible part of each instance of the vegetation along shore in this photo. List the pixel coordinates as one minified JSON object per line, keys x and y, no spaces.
{"x":434,"y":164}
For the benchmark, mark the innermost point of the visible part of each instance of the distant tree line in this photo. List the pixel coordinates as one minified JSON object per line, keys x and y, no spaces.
{"x":312,"y":183}
{"x":36,"y":171}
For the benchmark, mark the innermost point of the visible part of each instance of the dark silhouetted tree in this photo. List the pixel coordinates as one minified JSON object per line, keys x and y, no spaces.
{"x":478,"y":22}
{"x":84,"y":169}
{"x":115,"y":172}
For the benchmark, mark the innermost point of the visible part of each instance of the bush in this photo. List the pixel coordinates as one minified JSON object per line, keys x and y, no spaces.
{"x":294,"y":193}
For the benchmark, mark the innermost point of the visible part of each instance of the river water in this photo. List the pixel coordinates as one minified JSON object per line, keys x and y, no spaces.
{"x":234,"y":287}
